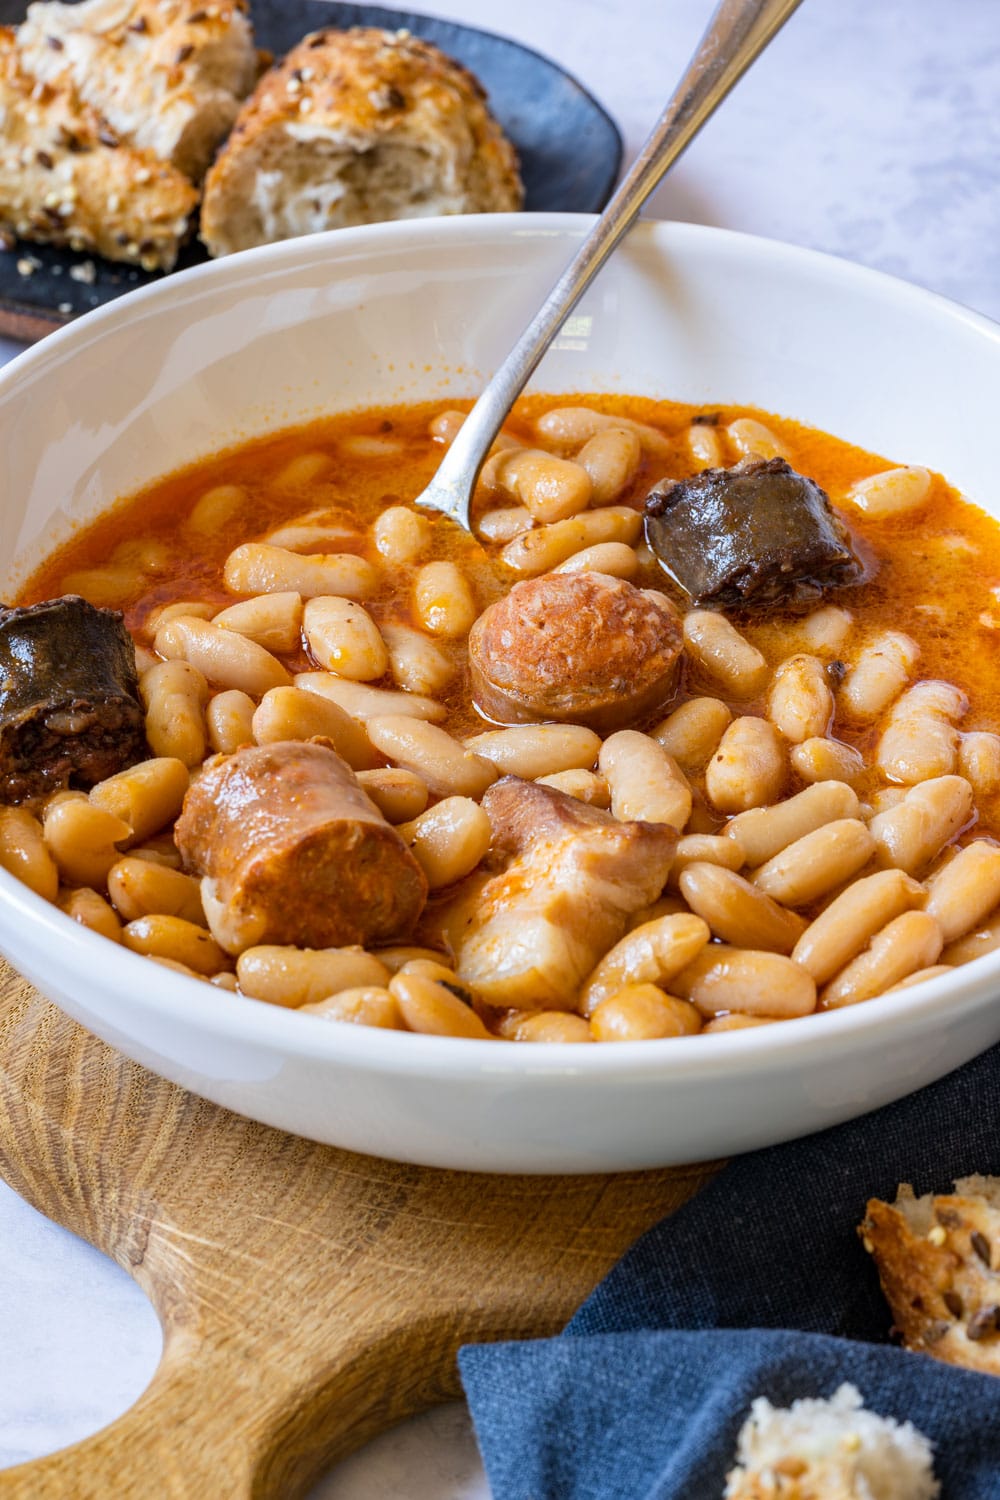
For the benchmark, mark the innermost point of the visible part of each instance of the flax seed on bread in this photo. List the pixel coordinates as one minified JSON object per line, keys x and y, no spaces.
{"x":351,"y":128}
{"x":166,"y":76}
{"x":65,"y":181}
{"x":938,"y":1259}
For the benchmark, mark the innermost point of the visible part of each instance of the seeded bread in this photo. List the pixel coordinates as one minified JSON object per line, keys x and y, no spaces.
{"x":938,"y":1260}
{"x":65,"y":181}
{"x":351,"y":128}
{"x":166,"y":76}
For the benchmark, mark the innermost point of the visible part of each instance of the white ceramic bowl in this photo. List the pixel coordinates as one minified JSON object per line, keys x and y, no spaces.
{"x":424,"y":309}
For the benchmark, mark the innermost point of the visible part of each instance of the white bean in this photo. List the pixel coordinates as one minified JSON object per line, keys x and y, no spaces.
{"x":445,"y":765}
{"x":569,"y":427}
{"x":920,"y":740}
{"x":720,"y":650}
{"x":852,"y":919}
{"x":613,"y":558}
{"x":752,"y":439}
{"x":444,"y":600}
{"x":652,"y":953}
{"x":545,"y":547}
{"x":908,"y":943}
{"x":585,"y":786}
{"x":223,"y":657}
{"x":816,"y":864}
{"x":399,"y":795}
{"x":274,"y":621}
{"x":879,"y":674}
{"x":979,"y":761}
{"x":748,"y":768}
{"x":364,"y":702}
{"x":913,"y":832}
{"x":748,"y":980}
{"x":738,"y":912}
{"x":765,"y":831}
{"x":647,"y":785}
{"x":535,"y":750}
{"x":894,"y":492}
{"x":256,"y":568}
{"x":691,"y":734}
{"x":230,"y":720}
{"x":401,"y":535}
{"x":289,"y":713}
{"x":448,"y":840}
{"x":827,"y":760}
{"x":706,"y":447}
{"x":611,"y":458}
{"x":800,"y":703}
{"x":826,"y":630}
{"x":344,"y":639}
{"x":504,"y":523}
{"x":966,"y":890}
{"x":417,"y":664}
{"x":550,"y":488}
{"x":174,"y":693}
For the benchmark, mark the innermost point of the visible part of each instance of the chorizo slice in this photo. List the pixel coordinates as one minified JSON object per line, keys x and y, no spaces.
{"x":580,"y":648}
{"x":292,"y":850}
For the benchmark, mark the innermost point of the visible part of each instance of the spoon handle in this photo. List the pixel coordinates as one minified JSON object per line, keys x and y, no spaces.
{"x":737,"y":33}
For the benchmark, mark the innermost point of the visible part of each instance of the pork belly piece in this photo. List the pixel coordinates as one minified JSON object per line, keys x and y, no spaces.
{"x":291,"y":850}
{"x":166,"y":75}
{"x":578,"y":648}
{"x":70,"y":713}
{"x":758,"y":536}
{"x":529,"y":936}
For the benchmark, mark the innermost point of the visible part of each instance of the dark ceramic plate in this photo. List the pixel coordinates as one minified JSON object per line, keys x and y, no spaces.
{"x":569,"y":147}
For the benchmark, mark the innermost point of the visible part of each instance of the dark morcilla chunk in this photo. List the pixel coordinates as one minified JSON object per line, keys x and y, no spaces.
{"x":69,"y":697}
{"x":758,"y":536}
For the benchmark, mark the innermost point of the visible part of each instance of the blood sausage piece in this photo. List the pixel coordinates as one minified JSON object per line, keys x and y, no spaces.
{"x":758,"y":536}
{"x":70,"y":713}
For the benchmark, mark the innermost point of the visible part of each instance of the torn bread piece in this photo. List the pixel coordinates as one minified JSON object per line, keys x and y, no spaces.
{"x":65,"y":181}
{"x":167,"y":76}
{"x":354,"y":127}
{"x":830,"y":1450}
{"x":938,"y":1259}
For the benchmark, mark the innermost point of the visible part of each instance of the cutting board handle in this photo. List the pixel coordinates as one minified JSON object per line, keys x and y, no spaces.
{"x":309,"y":1298}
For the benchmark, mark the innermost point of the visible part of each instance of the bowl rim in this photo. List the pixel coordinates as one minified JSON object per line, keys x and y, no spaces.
{"x":309,"y":1037}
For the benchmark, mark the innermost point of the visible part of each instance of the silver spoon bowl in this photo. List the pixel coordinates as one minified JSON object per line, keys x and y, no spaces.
{"x":737,"y":33}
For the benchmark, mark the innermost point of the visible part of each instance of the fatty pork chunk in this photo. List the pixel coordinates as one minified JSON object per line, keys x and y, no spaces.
{"x":758,"y":536}
{"x":579,"y":648}
{"x":291,"y":850}
{"x":572,"y":877}
{"x":70,"y":713}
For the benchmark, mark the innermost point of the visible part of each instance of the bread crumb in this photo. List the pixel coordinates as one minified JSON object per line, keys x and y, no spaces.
{"x":830,"y":1450}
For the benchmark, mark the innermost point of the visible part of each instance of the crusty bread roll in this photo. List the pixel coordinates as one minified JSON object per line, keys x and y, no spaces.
{"x":938,"y":1260}
{"x":166,"y":75}
{"x":829,"y":1450}
{"x":351,"y":128}
{"x":64,"y":181}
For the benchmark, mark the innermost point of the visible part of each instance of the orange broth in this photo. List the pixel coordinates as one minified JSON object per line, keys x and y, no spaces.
{"x":931,"y":573}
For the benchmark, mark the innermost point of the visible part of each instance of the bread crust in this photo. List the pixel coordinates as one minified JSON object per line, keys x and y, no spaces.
{"x":65,"y":181}
{"x":938,"y":1260}
{"x":353,"y":127}
{"x":167,"y":76}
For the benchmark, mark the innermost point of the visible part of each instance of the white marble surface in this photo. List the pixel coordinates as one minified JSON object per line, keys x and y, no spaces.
{"x":868,"y":130}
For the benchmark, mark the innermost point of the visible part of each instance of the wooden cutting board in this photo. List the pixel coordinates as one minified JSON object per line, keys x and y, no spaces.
{"x":309,"y":1297}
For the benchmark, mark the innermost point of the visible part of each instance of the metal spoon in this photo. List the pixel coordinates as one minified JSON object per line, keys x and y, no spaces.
{"x":737,"y":33}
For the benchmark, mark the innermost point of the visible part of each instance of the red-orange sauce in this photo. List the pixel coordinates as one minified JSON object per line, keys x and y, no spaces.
{"x":932,"y":574}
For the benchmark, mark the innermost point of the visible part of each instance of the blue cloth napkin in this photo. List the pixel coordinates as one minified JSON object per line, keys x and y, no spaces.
{"x":757,"y":1287}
